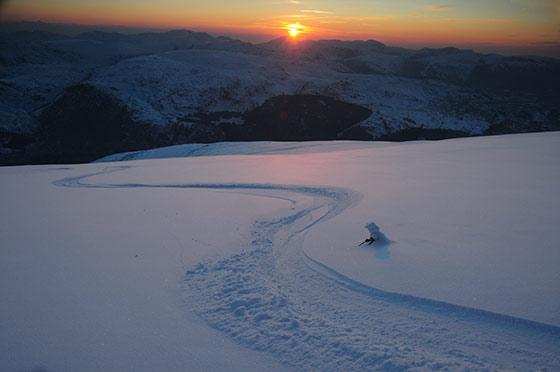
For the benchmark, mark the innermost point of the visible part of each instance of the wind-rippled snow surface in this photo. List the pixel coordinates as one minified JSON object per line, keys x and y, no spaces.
{"x":274,"y":298}
{"x":113,"y":267}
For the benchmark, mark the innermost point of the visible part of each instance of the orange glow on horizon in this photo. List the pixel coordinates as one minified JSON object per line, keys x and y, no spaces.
{"x":421,"y":28}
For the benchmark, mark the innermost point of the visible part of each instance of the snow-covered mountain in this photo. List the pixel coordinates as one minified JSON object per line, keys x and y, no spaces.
{"x":68,"y":99}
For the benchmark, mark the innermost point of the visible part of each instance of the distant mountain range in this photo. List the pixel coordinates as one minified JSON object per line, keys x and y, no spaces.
{"x":78,"y":98}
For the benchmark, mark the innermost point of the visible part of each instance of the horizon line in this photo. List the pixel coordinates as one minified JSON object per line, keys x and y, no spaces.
{"x":531,"y":49}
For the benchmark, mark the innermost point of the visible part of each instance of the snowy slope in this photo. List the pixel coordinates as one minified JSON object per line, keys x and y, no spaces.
{"x":241,"y":148}
{"x":194,"y":263}
{"x":161,"y":89}
{"x":36,"y":67}
{"x":470,"y":180}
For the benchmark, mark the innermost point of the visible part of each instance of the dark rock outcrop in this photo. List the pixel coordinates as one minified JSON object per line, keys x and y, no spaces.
{"x":86,"y":124}
{"x":413,"y":134}
{"x":297,"y":118}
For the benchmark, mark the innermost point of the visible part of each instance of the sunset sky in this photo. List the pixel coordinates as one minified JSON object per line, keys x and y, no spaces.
{"x":396,"y":22}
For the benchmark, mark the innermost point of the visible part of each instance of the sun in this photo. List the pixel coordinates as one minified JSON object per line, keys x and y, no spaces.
{"x":294,"y":32}
{"x":295,"y":29}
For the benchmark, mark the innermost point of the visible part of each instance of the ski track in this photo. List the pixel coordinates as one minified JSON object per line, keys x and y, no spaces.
{"x":272,"y":297}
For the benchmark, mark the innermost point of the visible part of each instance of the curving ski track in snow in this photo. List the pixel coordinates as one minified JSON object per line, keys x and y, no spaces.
{"x":272,"y":297}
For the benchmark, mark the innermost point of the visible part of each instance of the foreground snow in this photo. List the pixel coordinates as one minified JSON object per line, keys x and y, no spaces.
{"x":148,"y":265}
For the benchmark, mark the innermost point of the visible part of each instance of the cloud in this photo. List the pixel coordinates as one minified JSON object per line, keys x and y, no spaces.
{"x":294,"y":2}
{"x":473,"y":20}
{"x":292,"y":16}
{"x":500,"y":20}
{"x":546,"y":43}
{"x":332,"y":22}
{"x":371,"y":18}
{"x":437,"y":8}
{"x":315,"y":11}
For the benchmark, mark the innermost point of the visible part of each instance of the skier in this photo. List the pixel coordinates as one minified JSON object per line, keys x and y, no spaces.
{"x":374,"y":234}
{"x":369,"y":240}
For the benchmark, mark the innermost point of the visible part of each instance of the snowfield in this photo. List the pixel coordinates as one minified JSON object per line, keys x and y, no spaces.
{"x":158,"y":88}
{"x":246,"y":257}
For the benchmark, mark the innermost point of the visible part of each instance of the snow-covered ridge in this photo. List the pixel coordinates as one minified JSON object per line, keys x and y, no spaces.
{"x":242,"y":148}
